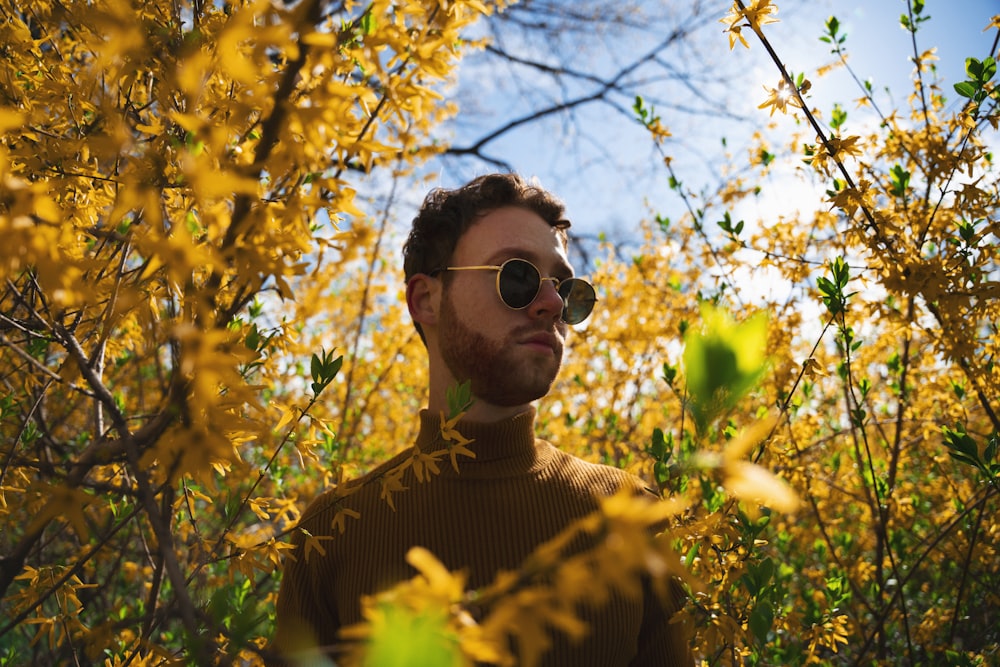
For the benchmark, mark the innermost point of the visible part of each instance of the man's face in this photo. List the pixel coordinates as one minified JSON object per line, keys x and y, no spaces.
{"x":510,"y":356}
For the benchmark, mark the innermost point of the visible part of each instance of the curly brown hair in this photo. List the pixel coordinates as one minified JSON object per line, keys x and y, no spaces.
{"x":446,"y":214}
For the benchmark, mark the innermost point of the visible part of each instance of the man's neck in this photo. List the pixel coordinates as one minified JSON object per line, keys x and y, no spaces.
{"x":480,"y":411}
{"x":487,"y":413}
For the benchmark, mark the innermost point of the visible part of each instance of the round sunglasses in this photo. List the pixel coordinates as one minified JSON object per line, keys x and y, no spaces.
{"x":519,"y":282}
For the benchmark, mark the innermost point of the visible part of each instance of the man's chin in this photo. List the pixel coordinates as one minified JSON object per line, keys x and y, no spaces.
{"x":512,"y":396}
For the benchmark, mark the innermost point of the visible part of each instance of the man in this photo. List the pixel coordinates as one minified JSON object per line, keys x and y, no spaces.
{"x":492,"y":294}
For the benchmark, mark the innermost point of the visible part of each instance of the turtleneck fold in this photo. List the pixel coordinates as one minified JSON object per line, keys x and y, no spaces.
{"x":505,"y":448}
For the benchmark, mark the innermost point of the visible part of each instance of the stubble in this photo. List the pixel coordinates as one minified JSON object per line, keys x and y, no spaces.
{"x":500,"y":372}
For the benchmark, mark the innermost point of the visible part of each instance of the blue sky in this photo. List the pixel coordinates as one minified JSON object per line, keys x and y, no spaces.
{"x":880,"y":47}
{"x":603,"y":165}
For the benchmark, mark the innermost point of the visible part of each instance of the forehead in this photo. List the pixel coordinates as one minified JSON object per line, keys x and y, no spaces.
{"x":512,"y":232}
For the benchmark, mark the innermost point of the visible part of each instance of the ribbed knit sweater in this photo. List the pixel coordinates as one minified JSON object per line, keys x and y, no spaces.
{"x":515,"y":494}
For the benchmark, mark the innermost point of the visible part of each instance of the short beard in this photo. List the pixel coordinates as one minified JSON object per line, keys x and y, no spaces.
{"x":495,"y":375}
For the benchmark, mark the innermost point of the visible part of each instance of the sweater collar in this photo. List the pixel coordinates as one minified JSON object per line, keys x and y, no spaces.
{"x":508,"y":445}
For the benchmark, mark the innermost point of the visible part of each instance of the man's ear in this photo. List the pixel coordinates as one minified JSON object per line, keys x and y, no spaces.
{"x":423,"y":297}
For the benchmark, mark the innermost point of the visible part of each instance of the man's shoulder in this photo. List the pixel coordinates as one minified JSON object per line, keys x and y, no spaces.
{"x":350,"y":493}
{"x":601,"y":477}
{"x":379,"y":472}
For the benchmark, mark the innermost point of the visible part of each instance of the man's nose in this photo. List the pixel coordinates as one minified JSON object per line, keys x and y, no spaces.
{"x":547,"y":302}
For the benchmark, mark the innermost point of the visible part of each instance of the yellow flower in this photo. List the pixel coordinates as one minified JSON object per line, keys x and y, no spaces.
{"x":448,"y":431}
{"x":338,"y":521}
{"x":459,"y":448}
{"x":780,"y":98}
{"x":455,"y":440}
{"x":757,"y":14}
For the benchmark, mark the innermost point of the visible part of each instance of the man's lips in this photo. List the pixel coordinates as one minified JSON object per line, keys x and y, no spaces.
{"x":542,"y":340}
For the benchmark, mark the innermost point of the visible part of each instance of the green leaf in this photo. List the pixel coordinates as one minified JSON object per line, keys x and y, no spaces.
{"x":966,"y":89}
{"x":669,"y":374}
{"x":324,"y":368}
{"x":661,"y":471}
{"x":253,"y":338}
{"x":761,"y":619}
{"x":958,"y":440}
{"x":639,"y":107}
{"x":333,"y":367}
{"x":832,"y":291}
{"x":841,"y":271}
{"x":692,"y":554}
{"x":658,"y":447}
{"x":992,"y":447}
{"x":832,"y":26}
{"x":758,"y":576}
{"x":723,"y":362}
{"x":967,"y":230}
{"x":980,"y":71}
{"x":459,"y":398}
{"x":368,"y":23}
{"x":726,"y":224}
{"x":315,"y":368}
{"x":989,"y":69}
{"x":402,"y":637}
{"x":837,"y":117}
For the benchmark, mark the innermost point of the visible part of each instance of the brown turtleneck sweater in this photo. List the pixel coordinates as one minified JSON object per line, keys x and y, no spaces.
{"x":515,"y":494}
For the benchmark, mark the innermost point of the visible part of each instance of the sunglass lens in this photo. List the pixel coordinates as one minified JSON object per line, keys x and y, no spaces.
{"x":579,"y":299}
{"x":519,"y":282}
